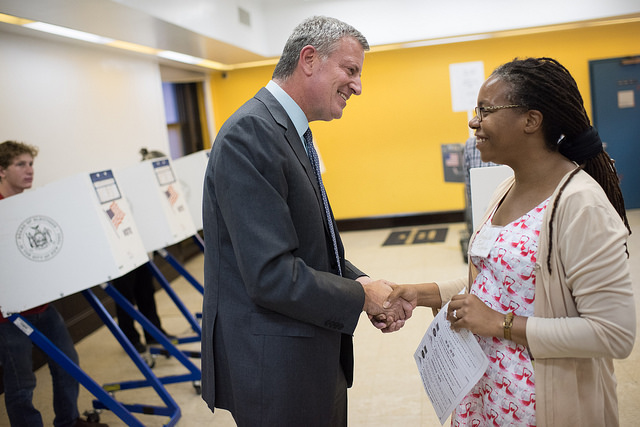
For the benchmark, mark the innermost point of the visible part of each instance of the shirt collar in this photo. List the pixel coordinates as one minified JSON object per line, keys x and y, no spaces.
{"x":293,"y":110}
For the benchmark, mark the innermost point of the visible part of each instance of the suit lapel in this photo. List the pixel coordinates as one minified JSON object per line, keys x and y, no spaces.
{"x":293,"y":139}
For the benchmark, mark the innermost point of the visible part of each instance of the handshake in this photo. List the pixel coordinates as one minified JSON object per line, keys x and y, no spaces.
{"x":388,"y":305}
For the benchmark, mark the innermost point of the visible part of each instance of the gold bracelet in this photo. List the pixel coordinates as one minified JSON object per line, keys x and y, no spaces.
{"x":507,"y":324}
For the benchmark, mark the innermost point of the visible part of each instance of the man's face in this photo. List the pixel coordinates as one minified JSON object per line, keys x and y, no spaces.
{"x":335,"y":79}
{"x":19,"y":174}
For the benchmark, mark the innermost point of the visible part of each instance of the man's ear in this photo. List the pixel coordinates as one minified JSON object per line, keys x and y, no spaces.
{"x":533,"y":121}
{"x":308,"y":58}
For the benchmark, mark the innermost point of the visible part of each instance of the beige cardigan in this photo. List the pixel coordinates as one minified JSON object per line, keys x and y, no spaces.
{"x":584,"y":311}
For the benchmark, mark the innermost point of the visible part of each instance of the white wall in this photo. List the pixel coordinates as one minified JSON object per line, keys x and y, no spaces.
{"x":87,"y":109}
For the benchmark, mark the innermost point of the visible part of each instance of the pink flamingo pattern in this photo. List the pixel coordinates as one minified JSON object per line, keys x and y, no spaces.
{"x":505,"y":395}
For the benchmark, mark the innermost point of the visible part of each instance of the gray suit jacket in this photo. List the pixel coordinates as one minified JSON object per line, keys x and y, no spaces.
{"x":277,"y":320}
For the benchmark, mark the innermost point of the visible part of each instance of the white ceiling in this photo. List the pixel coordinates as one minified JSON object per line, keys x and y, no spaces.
{"x":238,"y":31}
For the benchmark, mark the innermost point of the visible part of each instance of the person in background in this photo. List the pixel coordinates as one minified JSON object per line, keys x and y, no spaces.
{"x":549,"y":294}
{"x":281,"y":303}
{"x":16,"y":175}
{"x":138,"y":288}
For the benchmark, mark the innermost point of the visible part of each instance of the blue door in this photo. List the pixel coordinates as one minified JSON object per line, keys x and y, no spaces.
{"x":615,"y":91}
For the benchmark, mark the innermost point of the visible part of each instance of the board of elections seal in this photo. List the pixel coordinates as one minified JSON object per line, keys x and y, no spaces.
{"x":39,"y":238}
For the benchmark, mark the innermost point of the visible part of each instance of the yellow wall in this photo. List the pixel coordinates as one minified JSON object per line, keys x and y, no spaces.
{"x":384,"y":156}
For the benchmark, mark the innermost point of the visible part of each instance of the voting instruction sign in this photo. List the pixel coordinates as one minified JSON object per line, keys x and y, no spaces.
{"x":190,"y":170}
{"x":157,"y":202}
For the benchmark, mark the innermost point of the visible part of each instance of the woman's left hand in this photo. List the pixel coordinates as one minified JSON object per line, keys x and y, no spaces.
{"x":470,"y":312}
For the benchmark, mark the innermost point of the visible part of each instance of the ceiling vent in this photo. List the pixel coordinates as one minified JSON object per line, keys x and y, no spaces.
{"x":244,"y":17}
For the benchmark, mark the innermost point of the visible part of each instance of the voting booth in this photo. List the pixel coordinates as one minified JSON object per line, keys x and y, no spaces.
{"x":483,"y":183}
{"x":159,"y":209}
{"x":65,"y":237}
{"x":157,"y":202}
{"x":190,"y":170}
{"x":163,"y":217}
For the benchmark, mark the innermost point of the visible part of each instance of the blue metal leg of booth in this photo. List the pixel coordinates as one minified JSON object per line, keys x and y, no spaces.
{"x":67,"y":364}
{"x":180,"y":269}
{"x":172,"y":409}
{"x":199,"y":241}
{"x":172,"y":294}
{"x":183,"y":271}
{"x":194,"y":374}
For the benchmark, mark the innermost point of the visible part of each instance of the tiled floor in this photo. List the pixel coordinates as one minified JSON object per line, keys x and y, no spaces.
{"x":387,"y":389}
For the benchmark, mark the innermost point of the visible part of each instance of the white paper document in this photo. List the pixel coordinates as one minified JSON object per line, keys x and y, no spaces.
{"x":450,"y":364}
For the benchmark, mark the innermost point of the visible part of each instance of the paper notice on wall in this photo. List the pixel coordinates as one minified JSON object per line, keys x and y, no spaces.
{"x":626,"y":99}
{"x":466,"y":79}
{"x":450,"y":364}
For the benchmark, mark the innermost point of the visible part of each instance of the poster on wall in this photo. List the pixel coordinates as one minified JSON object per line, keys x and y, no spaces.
{"x":466,"y":79}
{"x":453,"y":162}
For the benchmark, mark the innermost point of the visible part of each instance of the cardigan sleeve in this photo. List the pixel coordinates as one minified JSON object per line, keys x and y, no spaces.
{"x":587,"y":308}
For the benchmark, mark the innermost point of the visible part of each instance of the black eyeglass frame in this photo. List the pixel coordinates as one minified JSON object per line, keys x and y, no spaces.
{"x":479,"y":111}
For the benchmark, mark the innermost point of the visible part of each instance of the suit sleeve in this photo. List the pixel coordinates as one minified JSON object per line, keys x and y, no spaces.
{"x":351,"y":271}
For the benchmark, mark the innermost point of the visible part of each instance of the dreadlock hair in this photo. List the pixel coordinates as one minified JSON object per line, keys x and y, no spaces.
{"x":545,"y":85}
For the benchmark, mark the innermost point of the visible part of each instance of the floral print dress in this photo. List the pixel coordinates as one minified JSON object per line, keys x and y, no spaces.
{"x":505,"y":395}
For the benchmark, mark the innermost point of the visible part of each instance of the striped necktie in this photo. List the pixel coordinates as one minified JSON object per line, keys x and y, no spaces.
{"x":315,"y":163}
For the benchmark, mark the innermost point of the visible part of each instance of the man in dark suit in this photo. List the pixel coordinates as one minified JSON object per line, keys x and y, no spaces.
{"x":281,"y":303}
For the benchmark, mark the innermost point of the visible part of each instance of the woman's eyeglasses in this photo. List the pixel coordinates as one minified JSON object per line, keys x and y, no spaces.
{"x":480,"y":111}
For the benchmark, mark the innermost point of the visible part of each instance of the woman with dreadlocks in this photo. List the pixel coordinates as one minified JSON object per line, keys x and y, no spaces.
{"x":549,"y":293}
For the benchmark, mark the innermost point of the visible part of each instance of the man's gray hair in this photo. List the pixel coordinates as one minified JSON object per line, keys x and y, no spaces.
{"x":321,"y":32}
